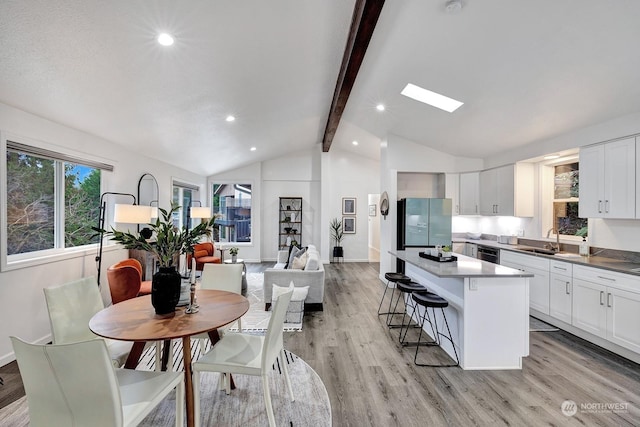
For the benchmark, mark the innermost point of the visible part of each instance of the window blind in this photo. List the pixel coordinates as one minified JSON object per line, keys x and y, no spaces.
{"x":53,"y":155}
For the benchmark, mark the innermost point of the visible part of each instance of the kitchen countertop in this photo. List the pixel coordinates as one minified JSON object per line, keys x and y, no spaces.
{"x":464,"y":267}
{"x":612,"y":264}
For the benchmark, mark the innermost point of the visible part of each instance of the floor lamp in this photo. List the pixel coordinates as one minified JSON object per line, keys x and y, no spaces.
{"x":130,"y":214}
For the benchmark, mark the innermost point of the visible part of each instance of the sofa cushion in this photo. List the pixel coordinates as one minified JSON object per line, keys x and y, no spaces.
{"x":299,"y":262}
{"x":299,"y":293}
{"x":313,"y":261}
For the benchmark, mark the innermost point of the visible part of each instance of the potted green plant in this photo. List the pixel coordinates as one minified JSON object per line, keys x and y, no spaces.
{"x":446,"y":251}
{"x":168,"y":244}
{"x":335,"y":226}
{"x":234,"y":254}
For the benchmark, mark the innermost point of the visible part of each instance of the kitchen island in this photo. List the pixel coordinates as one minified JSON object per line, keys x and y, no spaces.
{"x":488,"y":309}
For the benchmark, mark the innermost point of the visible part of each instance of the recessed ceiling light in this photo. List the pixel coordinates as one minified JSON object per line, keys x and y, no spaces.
{"x":165,"y":39}
{"x":552,"y":156}
{"x":380,"y":107}
{"x":355,"y":142}
{"x":230,"y":118}
{"x":428,"y":97}
{"x":253,"y":148}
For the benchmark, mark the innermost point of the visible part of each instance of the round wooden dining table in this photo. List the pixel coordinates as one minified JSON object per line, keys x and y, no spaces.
{"x":135,"y":320}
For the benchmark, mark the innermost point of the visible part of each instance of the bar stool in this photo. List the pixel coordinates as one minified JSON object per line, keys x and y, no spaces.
{"x":433,"y":301}
{"x":405,"y":288}
{"x":395,"y":278}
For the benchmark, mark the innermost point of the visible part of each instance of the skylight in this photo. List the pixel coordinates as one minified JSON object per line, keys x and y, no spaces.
{"x":428,"y":97}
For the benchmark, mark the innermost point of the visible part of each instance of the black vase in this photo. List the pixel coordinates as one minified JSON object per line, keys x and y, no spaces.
{"x":337,"y":252}
{"x":165,"y":290}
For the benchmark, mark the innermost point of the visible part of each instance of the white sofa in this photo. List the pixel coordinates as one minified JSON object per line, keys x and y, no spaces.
{"x":312,"y":275}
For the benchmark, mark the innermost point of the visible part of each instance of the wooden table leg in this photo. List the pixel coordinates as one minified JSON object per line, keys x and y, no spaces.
{"x":188,"y":380}
{"x":166,"y":351}
{"x":134,"y":355}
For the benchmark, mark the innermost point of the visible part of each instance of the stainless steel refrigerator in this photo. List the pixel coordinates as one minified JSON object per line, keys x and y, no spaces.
{"x":423,"y":223}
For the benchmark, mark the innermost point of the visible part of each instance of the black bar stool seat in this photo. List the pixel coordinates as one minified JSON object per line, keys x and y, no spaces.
{"x":433,"y":301}
{"x":403,"y":288}
{"x":395,"y":278}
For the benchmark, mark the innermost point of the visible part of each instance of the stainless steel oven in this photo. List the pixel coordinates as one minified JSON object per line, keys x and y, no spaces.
{"x":490,"y":254}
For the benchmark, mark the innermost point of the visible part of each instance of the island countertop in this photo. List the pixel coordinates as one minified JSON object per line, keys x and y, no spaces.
{"x":464,"y":267}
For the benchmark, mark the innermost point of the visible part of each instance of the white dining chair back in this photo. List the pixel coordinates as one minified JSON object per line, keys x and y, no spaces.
{"x":76,"y":385}
{"x":249,"y":355}
{"x":70,"y":308}
{"x":222,"y":277}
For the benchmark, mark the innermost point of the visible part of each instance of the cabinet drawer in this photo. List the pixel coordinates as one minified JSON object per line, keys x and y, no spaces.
{"x":608,"y":278}
{"x":561,"y":267}
{"x":528,"y":260}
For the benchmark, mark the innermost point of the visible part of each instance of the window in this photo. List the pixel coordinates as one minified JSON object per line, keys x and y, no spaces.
{"x":233,"y":203}
{"x":185,"y":195}
{"x":52,"y":200}
{"x":566,"y":185}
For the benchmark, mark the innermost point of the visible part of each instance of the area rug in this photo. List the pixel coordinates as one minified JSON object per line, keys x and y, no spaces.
{"x":257,"y":319}
{"x":243,"y":407}
{"x":536,"y":325}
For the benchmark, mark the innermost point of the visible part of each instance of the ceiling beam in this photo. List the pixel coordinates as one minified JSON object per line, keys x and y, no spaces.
{"x":363,"y":22}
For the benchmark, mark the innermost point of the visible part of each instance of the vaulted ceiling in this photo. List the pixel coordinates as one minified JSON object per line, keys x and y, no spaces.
{"x":525,"y":70}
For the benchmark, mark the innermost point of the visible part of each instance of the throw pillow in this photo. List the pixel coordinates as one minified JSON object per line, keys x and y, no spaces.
{"x":313,"y":262}
{"x":295,"y":252}
{"x":299,"y":293}
{"x":299,"y":262}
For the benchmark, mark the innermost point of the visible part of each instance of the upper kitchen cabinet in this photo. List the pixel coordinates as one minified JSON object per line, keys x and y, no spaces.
{"x":452,"y":191}
{"x":468,"y":195}
{"x":507,"y":190}
{"x":608,"y":180}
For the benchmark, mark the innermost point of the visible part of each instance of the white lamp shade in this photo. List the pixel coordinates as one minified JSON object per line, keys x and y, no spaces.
{"x":154,"y":212}
{"x":200,"y":212}
{"x":132,"y":214}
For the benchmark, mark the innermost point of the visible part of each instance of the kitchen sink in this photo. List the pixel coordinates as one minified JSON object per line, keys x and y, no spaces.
{"x":538,"y":251}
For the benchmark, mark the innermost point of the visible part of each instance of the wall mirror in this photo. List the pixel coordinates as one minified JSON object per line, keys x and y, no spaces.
{"x":148,"y":194}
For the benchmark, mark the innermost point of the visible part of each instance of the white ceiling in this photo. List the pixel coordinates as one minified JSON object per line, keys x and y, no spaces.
{"x":526,"y":71}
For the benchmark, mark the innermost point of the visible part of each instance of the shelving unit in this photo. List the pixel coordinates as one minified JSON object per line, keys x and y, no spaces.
{"x":290,"y":221}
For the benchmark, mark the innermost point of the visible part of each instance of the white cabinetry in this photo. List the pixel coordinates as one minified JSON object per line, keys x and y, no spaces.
{"x":471,"y":250}
{"x":469,"y":193}
{"x":507,"y":190}
{"x":638,"y":178}
{"x":560,"y":290}
{"x":452,"y":191}
{"x":607,"y":304}
{"x":539,"y":284}
{"x":608,"y":180}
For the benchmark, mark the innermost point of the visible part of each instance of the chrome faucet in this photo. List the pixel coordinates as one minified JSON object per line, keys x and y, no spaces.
{"x":557,"y":246}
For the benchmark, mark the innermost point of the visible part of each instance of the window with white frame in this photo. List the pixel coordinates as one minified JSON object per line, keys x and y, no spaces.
{"x":232,"y":201}
{"x":185,"y":195}
{"x":53,"y":201}
{"x":566,"y":185}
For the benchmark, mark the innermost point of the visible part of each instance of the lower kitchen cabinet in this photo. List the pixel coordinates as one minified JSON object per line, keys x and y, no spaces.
{"x":603,"y":309}
{"x":560,"y":297}
{"x":538,"y":284}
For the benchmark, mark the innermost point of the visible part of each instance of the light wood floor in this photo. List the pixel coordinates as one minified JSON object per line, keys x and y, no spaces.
{"x":372,"y":381}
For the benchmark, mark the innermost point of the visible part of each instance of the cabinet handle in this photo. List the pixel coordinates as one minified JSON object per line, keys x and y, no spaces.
{"x":476,"y":208}
{"x":611,"y":279}
{"x":560,"y":268}
{"x":566,"y":288}
{"x":609,"y":299}
{"x":601,"y":295}
{"x":606,"y":206}
{"x":457,"y":209}
{"x":599,"y":206}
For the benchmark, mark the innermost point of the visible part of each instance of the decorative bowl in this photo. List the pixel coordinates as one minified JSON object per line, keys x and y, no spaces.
{"x":474,"y":236}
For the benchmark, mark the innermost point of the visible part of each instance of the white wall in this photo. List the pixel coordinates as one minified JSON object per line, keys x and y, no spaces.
{"x":24,"y":312}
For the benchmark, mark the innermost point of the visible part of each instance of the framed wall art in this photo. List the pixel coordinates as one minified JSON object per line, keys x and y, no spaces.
{"x":348,"y":206}
{"x":349,"y":224}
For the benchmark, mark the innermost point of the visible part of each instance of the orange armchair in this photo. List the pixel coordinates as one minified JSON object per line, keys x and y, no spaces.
{"x":125,"y":280}
{"x":204,"y":254}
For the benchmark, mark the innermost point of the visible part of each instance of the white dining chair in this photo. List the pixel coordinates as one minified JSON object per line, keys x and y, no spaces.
{"x":222,"y":277}
{"x":249,"y":355}
{"x":76,"y":385}
{"x":70,"y":308}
